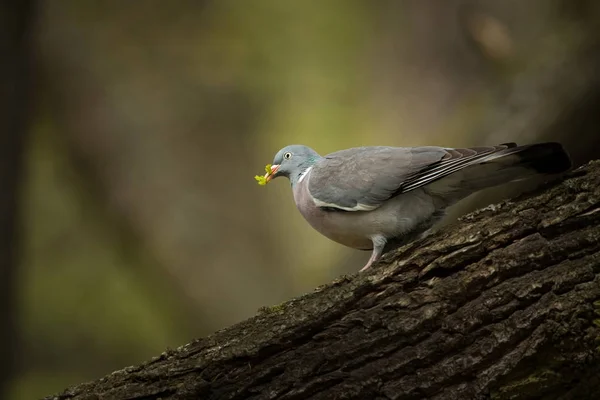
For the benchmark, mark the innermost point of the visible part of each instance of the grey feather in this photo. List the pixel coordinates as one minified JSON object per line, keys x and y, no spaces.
{"x":362,"y":178}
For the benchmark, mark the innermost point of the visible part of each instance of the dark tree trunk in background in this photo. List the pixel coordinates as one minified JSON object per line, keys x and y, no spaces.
{"x":503,"y":305}
{"x":15,"y":87}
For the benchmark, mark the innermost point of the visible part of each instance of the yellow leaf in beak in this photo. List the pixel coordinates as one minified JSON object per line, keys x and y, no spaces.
{"x":262,"y":180}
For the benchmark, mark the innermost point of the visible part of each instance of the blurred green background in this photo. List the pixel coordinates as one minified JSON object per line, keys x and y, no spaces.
{"x":131,"y":132}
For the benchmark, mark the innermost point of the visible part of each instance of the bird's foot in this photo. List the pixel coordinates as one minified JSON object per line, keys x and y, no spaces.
{"x":367,"y":265}
{"x":378,"y":246}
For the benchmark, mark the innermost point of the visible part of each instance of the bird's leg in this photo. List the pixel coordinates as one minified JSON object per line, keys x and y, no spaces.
{"x":378,"y":246}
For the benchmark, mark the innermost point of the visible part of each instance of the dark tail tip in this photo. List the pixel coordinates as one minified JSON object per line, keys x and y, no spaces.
{"x":546,"y":158}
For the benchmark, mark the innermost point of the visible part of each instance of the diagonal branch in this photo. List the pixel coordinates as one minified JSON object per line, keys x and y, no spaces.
{"x":503,"y":305}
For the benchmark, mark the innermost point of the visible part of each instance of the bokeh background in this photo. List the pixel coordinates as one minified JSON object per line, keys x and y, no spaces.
{"x":130,"y":133}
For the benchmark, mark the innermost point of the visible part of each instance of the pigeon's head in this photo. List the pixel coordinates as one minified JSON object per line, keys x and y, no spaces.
{"x":292,"y":161}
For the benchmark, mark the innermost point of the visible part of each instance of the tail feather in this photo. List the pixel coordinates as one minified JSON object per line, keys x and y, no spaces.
{"x":544,"y":158}
{"x":509,"y":164}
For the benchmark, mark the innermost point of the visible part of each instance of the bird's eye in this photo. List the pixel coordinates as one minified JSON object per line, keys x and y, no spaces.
{"x":287,"y":156}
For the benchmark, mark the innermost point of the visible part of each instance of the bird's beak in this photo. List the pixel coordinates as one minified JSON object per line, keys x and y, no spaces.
{"x":270,"y":175}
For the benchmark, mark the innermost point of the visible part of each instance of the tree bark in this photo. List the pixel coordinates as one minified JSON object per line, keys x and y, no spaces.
{"x":504,"y":304}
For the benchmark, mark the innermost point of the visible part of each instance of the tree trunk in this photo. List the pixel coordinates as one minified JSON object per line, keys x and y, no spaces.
{"x":15,"y":47}
{"x":504,"y":304}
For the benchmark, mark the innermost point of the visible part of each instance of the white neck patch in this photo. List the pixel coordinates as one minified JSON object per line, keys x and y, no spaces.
{"x":304,"y":174}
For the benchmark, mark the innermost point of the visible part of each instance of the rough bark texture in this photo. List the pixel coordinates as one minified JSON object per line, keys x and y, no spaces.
{"x":502,"y":305}
{"x":15,"y":83}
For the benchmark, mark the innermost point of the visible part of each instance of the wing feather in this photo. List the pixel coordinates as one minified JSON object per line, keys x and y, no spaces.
{"x":363,"y":178}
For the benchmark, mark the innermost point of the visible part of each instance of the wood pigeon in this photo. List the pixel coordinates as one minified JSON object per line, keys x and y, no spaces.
{"x":370,"y":197}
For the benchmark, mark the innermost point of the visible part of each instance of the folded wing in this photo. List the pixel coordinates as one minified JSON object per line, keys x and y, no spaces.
{"x":363,"y":178}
